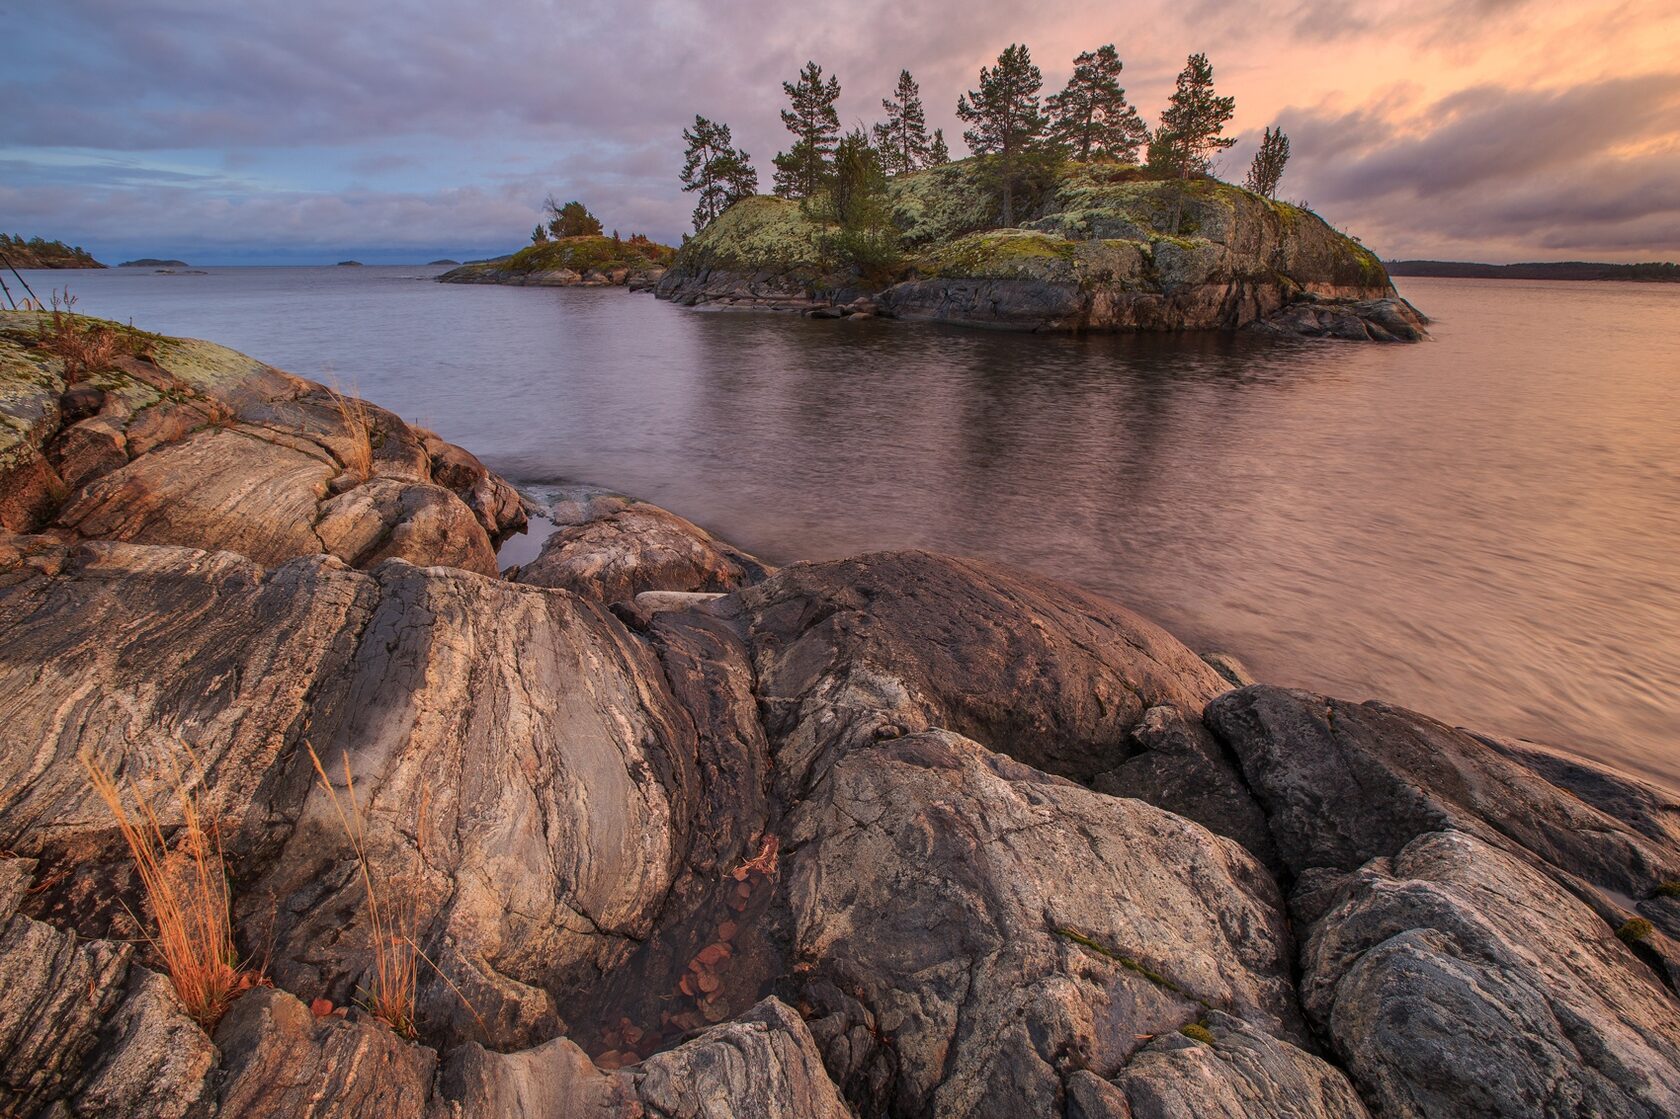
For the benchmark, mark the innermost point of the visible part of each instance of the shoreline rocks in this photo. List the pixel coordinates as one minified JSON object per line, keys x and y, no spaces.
{"x":685,"y":835}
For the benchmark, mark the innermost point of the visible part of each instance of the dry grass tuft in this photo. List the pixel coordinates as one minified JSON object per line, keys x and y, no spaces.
{"x":187,"y":890}
{"x":358,"y":429}
{"x":393,"y":921}
{"x":84,"y":347}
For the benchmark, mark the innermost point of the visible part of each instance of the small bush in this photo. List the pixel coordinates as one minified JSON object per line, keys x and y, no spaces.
{"x":85,"y":346}
{"x":1195,"y":1031}
{"x":187,"y":890}
{"x":1669,"y":890}
{"x":1634,"y":930}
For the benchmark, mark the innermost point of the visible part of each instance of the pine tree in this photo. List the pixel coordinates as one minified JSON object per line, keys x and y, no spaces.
{"x":937,"y":152}
{"x":571,"y":220}
{"x":902,"y":139}
{"x":721,"y":173}
{"x":1091,"y":116}
{"x":1008,"y":122}
{"x":853,"y":203}
{"x":816,"y":124}
{"x":539,"y":235}
{"x":1267,"y":168}
{"x":1192,"y":126}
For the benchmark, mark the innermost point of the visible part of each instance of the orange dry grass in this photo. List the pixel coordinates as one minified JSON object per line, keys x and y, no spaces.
{"x":187,"y":890}
{"x":392,"y":922}
{"x":358,"y":428}
{"x":83,"y":347}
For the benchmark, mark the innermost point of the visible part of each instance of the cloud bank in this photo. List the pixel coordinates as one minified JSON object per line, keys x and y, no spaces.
{"x":1491,"y":129}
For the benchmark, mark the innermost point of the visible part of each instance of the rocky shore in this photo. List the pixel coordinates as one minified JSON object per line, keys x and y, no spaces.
{"x":1101,"y":252}
{"x":688,"y":836}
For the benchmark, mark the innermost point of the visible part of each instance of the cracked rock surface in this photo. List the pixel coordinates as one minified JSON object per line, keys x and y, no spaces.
{"x":898,"y":835}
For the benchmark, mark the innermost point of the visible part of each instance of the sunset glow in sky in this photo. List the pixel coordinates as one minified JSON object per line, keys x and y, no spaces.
{"x":311,"y":131}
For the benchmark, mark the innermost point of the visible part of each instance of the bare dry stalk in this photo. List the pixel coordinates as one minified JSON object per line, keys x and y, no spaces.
{"x":358,"y":428}
{"x":392,"y":921}
{"x":187,"y":890}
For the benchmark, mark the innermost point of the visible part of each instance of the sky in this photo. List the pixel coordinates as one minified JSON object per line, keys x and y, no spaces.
{"x":312,"y":131}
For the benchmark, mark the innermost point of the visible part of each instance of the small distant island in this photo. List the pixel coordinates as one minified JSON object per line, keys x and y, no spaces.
{"x":38,"y":253}
{"x":349,"y":264}
{"x":572,"y":250}
{"x":153,"y":262}
{"x":1655,"y":272}
{"x":445,"y":262}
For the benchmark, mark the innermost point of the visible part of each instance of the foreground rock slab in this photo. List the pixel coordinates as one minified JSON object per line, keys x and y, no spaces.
{"x":172,"y":441}
{"x":681,"y":835}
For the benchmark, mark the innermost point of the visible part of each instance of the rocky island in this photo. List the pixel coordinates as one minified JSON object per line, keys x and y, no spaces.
{"x":677,"y":833}
{"x":1108,"y":247}
{"x":36,"y":252}
{"x":588,"y":260}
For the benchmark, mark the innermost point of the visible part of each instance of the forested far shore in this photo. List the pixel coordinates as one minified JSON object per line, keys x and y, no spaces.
{"x":35,"y":252}
{"x":1660,"y":272}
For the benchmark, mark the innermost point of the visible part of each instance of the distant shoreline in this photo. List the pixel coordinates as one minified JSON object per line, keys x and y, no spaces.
{"x":1558,"y":270}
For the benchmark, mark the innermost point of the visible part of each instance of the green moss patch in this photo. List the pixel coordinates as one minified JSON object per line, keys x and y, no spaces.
{"x":1130,"y":963}
{"x":762,"y":234}
{"x":1003,"y":254}
{"x":1195,"y":1031}
{"x":1634,"y":930}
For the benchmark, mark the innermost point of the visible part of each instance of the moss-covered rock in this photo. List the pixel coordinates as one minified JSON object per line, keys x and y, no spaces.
{"x":594,"y":261}
{"x":1108,"y":247}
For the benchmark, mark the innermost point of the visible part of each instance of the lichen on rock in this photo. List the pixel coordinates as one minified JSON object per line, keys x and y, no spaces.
{"x":1107,"y":247}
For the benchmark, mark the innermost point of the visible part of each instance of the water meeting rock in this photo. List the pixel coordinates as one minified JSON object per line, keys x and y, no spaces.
{"x":901,"y":834}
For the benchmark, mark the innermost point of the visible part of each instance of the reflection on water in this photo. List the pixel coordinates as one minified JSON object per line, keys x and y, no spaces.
{"x":1483,"y":527}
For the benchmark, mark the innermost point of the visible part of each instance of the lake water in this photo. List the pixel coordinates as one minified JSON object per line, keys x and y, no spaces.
{"x":1485,"y":527}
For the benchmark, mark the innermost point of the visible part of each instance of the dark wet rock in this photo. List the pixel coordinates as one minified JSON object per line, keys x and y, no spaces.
{"x":1041,"y":672}
{"x":1181,"y":767}
{"x":612,"y":549}
{"x":1453,"y":979}
{"x":1342,"y":783}
{"x":1234,"y":671}
{"x":1351,"y":320}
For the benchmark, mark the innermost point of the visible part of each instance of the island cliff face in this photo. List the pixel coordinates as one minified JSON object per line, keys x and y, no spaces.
{"x":688,"y":836}
{"x":1096,"y":255}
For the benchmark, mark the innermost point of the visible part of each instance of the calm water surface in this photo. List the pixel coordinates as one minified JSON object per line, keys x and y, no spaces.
{"x":1485,"y":527}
